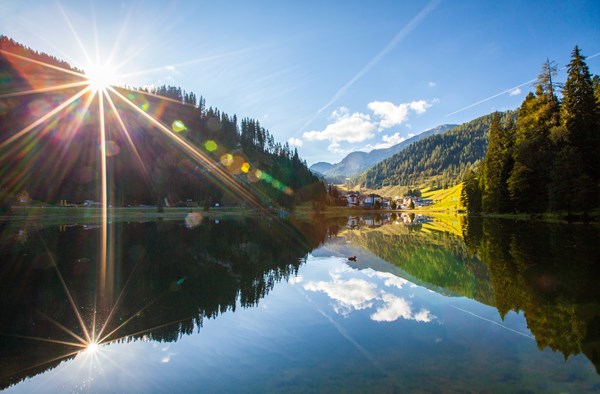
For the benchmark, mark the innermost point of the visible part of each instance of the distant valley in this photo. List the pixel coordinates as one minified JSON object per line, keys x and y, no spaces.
{"x":356,"y":162}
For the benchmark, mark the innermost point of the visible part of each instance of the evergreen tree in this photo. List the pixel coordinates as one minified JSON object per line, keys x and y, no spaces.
{"x":496,"y":168}
{"x":539,"y":113}
{"x":580,"y":115}
{"x":470,"y":196}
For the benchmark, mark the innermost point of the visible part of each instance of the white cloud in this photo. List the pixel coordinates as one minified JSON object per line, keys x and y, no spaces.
{"x":296,"y":279}
{"x":515,"y":92}
{"x":336,"y":148}
{"x":389,"y":279}
{"x":392,"y":115}
{"x":431,"y":84}
{"x":351,"y":128}
{"x":295,"y":141}
{"x":386,"y":142}
{"x":424,"y":316}
{"x":340,"y":112}
{"x":410,"y":135}
{"x":351,"y":294}
{"x":393,"y":309}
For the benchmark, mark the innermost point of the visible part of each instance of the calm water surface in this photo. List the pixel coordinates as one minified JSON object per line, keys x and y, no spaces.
{"x":262,"y":305}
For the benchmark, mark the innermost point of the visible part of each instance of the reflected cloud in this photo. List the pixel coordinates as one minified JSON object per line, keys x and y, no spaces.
{"x":354,"y":290}
{"x":352,"y":294}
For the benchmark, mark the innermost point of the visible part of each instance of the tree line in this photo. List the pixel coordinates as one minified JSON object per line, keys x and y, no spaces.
{"x":58,"y":160}
{"x":546,"y":161}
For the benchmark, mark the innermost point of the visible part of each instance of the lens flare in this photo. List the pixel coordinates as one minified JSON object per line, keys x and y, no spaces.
{"x":178,"y":126}
{"x":211,"y":145}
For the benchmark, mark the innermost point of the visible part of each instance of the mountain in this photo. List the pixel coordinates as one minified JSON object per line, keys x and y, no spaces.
{"x":440,"y":159}
{"x":321,"y":167}
{"x":356,"y":162}
{"x":162,"y":145}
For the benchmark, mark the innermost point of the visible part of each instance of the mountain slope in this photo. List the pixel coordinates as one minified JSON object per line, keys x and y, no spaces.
{"x":162,"y":145}
{"x":356,"y":162}
{"x":441,"y":158}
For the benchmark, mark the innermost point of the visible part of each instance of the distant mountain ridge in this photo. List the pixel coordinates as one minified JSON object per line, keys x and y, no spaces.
{"x":356,"y":162}
{"x":441,"y":160}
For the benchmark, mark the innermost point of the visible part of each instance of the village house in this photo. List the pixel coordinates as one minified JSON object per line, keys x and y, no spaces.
{"x":353,"y":199}
{"x":372,"y":199}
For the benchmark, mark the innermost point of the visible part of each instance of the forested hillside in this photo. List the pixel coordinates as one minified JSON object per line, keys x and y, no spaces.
{"x":50,"y":137}
{"x":441,"y":160}
{"x":548,"y":160}
{"x":356,"y":162}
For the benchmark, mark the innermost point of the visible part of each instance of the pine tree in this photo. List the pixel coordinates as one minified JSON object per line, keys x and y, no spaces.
{"x":470,"y":196}
{"x":532,"y":154}
{"x":580,"y":115}
{"x":496,"y":168}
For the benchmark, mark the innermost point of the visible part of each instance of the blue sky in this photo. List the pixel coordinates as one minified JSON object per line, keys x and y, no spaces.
{"x":331,"y":77}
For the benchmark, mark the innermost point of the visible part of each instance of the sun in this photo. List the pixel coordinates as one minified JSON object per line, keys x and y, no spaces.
{"x":100,"y":76}
{"x":92,"y":347}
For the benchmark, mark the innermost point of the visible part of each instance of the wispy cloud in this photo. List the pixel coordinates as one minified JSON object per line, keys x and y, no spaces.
{"x":401,"y":35}
{"x":431,"y":84}
{"x":515,"y":92}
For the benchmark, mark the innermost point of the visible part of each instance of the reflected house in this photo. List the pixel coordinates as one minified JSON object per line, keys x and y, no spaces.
{"x":352,"y":222}
{"x":386,"y":203}
{"x":373,"y":221}
{"x":91,"y":204}
{"x":353,"y":199}
{"x":372,"y":199}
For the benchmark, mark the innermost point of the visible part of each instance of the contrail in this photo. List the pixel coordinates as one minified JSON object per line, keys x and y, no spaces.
{"x":406,"y":30}
{"x":508,"y":90}
{"x":493,"y":322}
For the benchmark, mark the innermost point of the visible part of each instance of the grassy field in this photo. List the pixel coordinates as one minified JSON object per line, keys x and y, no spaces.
{"x":61,"y":215}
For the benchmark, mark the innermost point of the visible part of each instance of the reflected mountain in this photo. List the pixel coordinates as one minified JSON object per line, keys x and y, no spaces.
{"x":425,"y":249}
{"x":165,"y":279}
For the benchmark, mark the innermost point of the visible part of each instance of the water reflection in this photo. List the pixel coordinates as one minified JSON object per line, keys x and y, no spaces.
{"x":548,"y":271}
{"x":168,"y":279}
{"x":405,"y":303}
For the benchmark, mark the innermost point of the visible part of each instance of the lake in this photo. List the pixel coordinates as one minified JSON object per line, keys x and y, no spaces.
{"x":270,"y":304}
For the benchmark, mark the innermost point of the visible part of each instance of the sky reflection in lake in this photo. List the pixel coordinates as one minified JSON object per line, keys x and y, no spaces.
{"x":336,"y":325}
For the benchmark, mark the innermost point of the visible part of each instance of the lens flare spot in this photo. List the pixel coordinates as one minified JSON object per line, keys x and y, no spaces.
{"x":236,"y":165}
{"x":38,"y":107}
{"x":178,"y":126}
{"x":276,"y":184}
{"x":288,"y":190}
{"x":112,"y":149}
{"x":211,"y":145}
{"x":227,"y":159}
{"x":144,"y":106}
{"x":193,"y":219}
{"x":245,"y":167}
